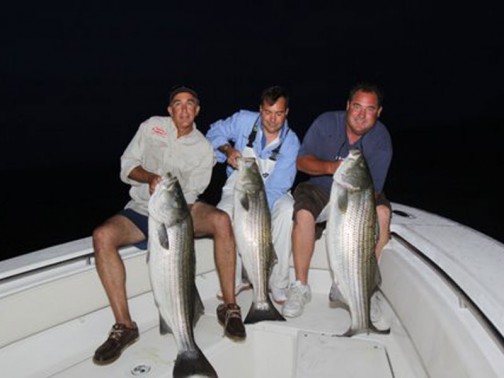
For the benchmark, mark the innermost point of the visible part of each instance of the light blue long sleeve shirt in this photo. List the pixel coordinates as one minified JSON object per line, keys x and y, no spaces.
{"x":237,"y":128}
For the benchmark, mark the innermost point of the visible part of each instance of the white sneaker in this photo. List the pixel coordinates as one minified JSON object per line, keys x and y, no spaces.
{"x":238,"y":289}
{"x":297,"y":296}
{"x":279,"y":295}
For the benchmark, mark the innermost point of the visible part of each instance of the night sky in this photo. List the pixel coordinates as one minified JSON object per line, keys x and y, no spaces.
{"x":78,"y":79}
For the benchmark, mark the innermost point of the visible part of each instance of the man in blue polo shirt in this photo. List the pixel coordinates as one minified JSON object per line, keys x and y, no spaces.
{"x":325,"y":145}
{"x":266,"y":136}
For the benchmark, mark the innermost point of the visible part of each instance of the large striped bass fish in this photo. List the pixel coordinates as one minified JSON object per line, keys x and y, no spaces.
{"x":252,"y":229}
{"x":350,"y":241}
{"x":172,"y":273}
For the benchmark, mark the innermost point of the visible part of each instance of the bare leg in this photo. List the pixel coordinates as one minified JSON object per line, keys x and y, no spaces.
{"x":210,"y":221}
{"x":383,"y":212}
{"x":107,"y":238}
{"x":303,"y":243}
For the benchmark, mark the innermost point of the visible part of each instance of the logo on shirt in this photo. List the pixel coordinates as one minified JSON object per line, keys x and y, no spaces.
{"x":156,"y":130}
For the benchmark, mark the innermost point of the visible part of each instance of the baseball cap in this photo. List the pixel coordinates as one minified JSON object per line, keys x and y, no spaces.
{"x":182,"y":89}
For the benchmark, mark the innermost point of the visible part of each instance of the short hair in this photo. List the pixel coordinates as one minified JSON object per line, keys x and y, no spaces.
{"x":272,"y":94}
{"x":367,"y":88}
{"x":175,"y":90}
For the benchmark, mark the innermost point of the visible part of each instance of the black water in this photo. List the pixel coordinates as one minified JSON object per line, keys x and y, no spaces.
{"x":449,"y":171}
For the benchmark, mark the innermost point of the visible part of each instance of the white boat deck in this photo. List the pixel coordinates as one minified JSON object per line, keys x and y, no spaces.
{"x":299,"y":347}
{"x":54,"y":318}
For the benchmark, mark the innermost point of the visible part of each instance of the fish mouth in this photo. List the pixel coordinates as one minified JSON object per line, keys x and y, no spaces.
{"x":245,"y":161}
{"x":169,"y":181}
{"x":354,"y":154}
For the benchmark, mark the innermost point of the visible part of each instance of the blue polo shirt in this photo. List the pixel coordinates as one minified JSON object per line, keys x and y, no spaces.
{"x":326,"y":139}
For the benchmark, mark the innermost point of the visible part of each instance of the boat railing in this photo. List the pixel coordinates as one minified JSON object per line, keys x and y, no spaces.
{"x":22,"y":272}
{"x":464,"y":299}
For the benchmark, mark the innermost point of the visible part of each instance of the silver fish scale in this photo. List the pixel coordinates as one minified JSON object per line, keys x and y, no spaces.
{"x":172,"y":268}
{"x":351,"y":233}
{"x":253,"y":228}
{"x":172,"y":275}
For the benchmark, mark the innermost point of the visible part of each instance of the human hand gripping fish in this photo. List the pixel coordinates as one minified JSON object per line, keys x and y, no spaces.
{"x":232,"y":154}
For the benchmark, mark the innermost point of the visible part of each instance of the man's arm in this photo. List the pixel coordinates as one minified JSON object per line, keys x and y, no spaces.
{"x":141,"y":175}
{"x":314,"y":166}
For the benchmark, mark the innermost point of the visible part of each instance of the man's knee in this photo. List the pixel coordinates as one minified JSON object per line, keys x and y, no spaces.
{"x":116,"y":232}
{"x":100,"y":236}
{"x":221,"y":219}
{"x":303,"y":216}
{"x":210,"y":220}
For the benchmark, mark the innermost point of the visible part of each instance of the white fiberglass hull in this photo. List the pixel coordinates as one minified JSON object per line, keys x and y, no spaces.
{"x":54,"y":314}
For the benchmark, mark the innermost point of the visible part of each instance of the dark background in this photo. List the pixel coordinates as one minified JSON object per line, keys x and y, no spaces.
{"x":78,"y":79}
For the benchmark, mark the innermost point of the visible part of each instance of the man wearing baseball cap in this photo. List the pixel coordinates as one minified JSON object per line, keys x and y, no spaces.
{"x":163,"y":144}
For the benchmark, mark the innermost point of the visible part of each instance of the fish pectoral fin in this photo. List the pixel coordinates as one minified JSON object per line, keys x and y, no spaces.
{"x":244,"y":201}
{"x":164,"y":328}
{"x":163,"y":237}
{"x":342,"y":200}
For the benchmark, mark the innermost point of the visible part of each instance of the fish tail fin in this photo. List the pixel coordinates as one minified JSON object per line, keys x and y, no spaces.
{"x":370,"y":329}
{"x":193,"y":363}
{"x":267,"y":311}
{"x":348,"y":333}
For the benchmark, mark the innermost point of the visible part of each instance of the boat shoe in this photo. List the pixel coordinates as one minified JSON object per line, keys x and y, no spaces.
{"x":229,"y":316}
{"x":119,"y":338}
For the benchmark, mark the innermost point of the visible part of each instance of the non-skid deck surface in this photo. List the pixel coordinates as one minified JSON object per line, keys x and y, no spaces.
{"x":298,"y":347}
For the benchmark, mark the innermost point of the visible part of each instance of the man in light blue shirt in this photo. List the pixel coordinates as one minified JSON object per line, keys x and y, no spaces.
{"x":266,"y":136}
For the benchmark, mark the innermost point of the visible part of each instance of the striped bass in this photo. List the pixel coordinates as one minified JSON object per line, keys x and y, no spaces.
{"x":252,"y":229}
{"x":172,"y":274}
{"x":350,"y":241}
